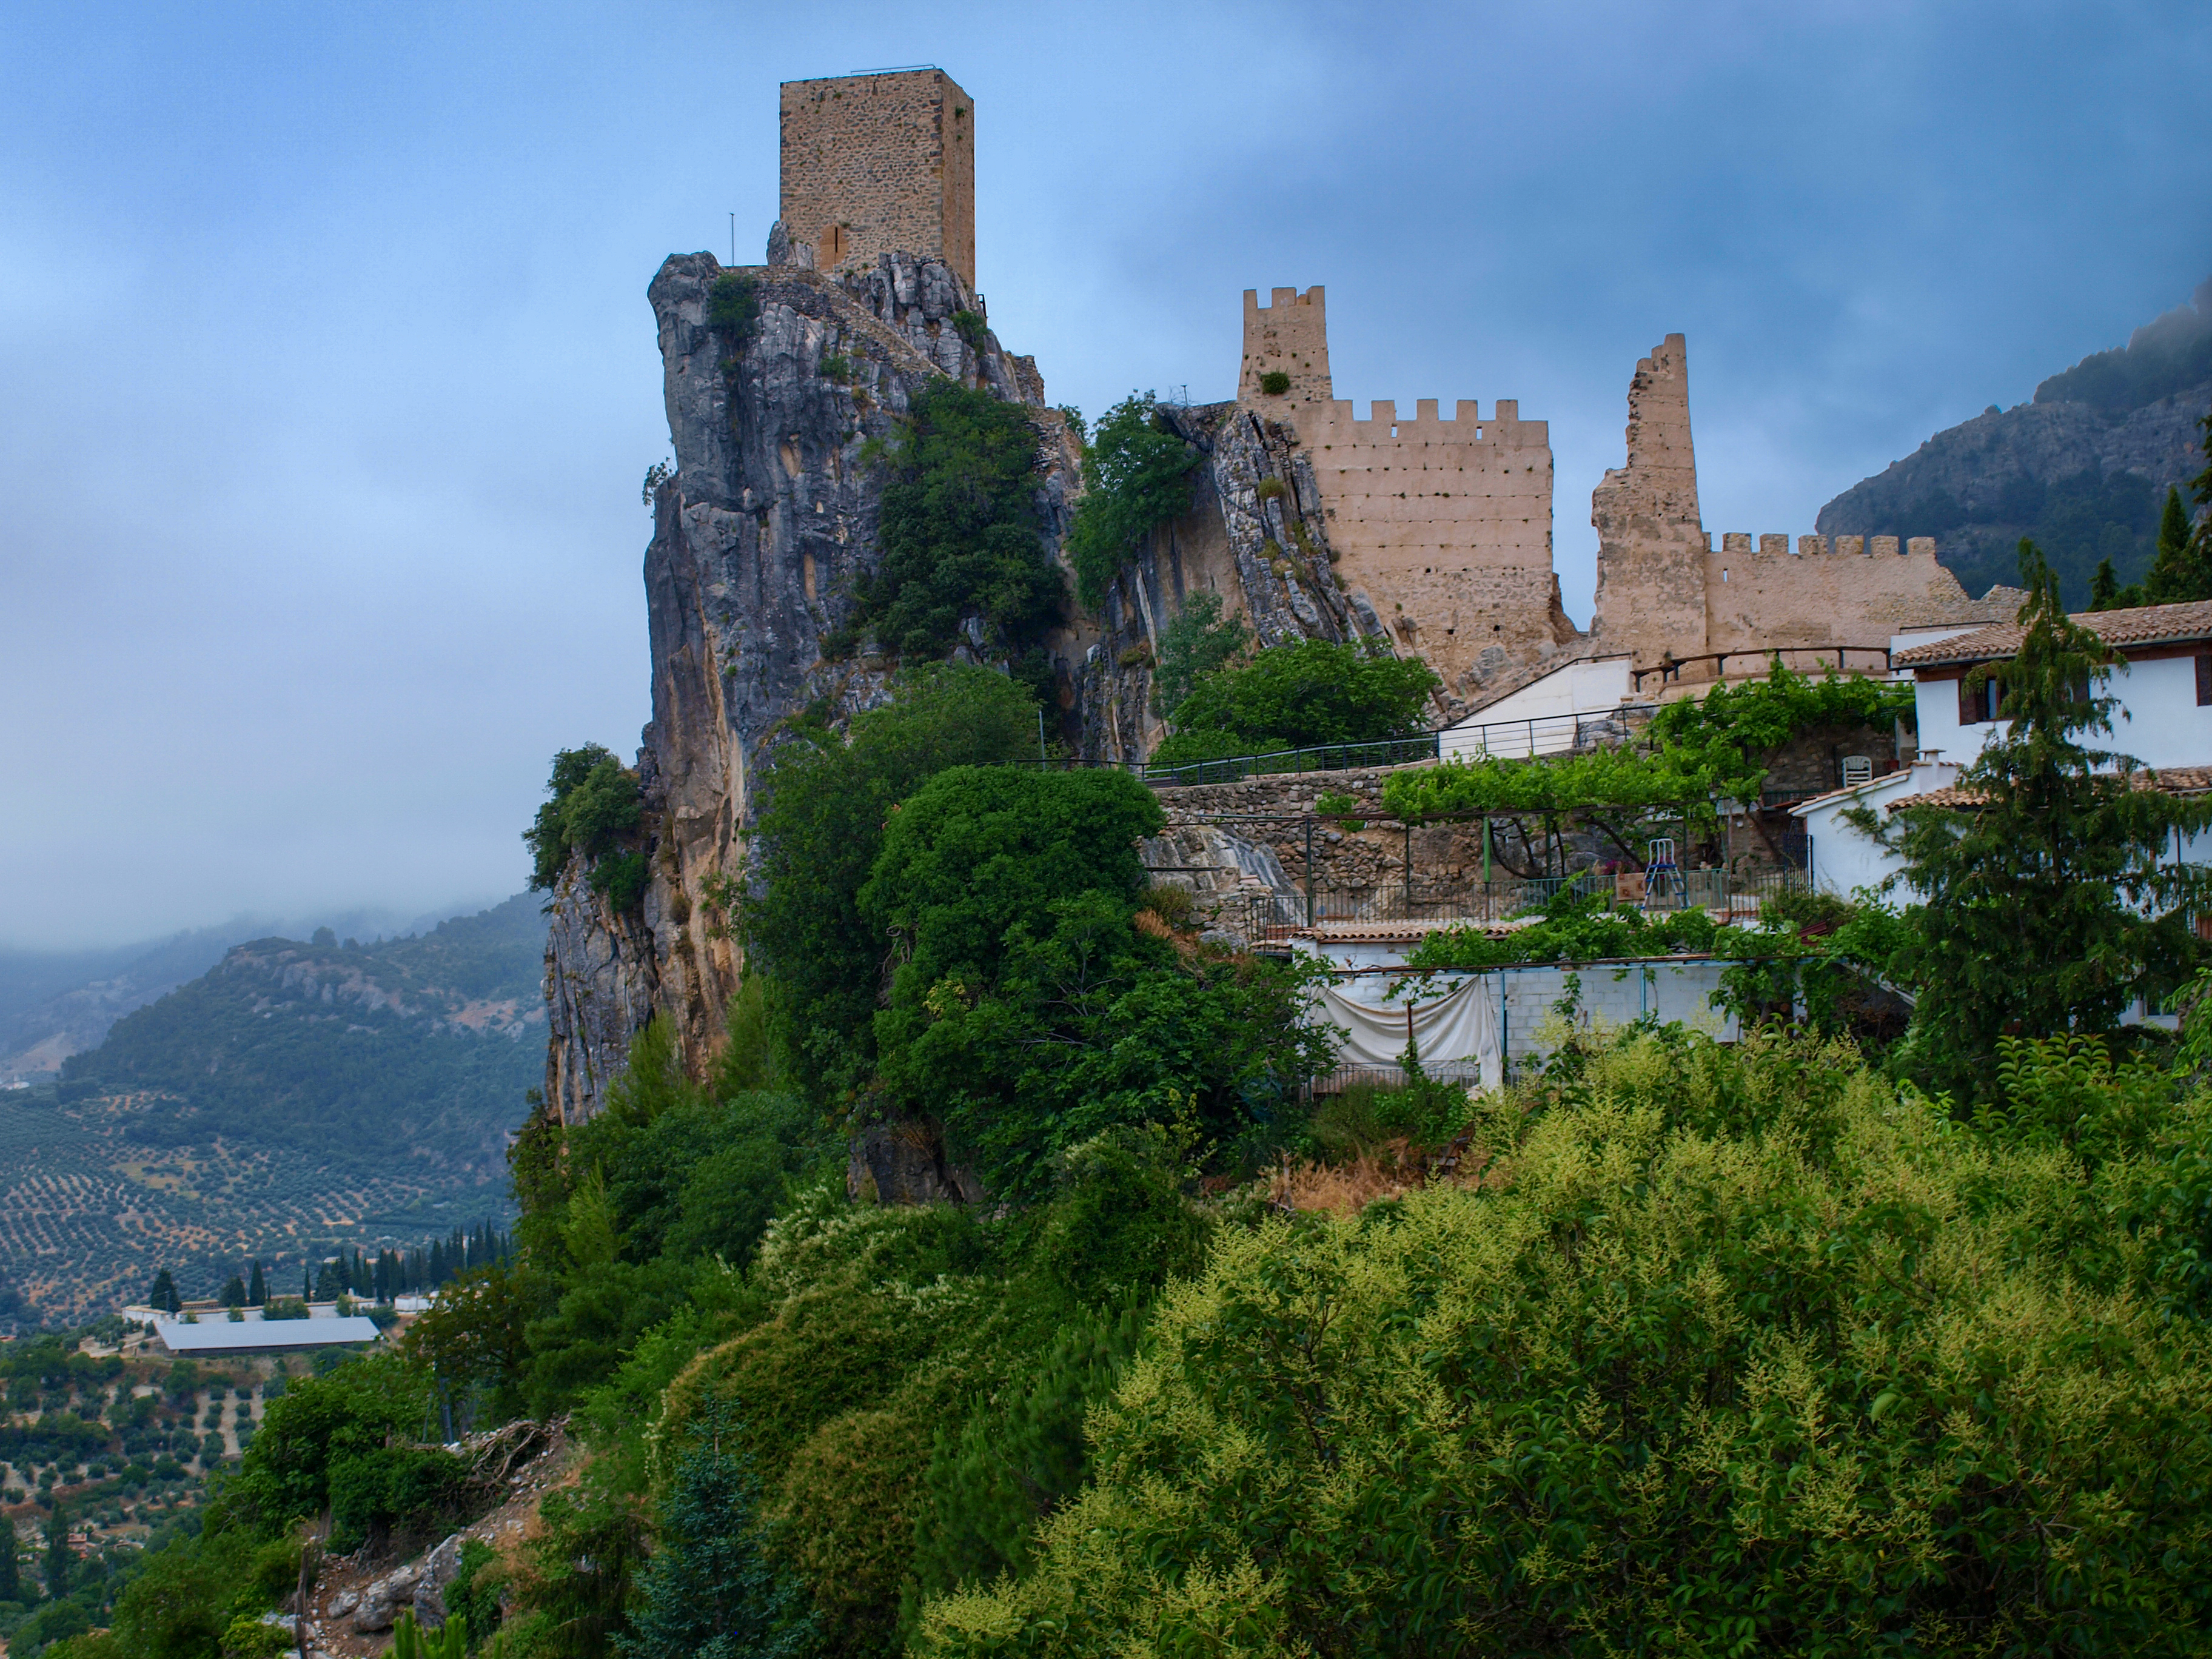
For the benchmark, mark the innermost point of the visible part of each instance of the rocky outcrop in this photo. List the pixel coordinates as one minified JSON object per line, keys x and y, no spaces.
{"x":2083,"y":470}
{"x":759,"y":537}
{"x":1255,"y":535}
{"x":1979,"y":487}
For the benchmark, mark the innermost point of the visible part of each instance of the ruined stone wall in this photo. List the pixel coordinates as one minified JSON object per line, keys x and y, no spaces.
{"x":1651,"y":540}
{"x":1289,"y":337}
{"x":877,"y":164}
{"x":1854,"y":591}
{"x":1664,"y":590}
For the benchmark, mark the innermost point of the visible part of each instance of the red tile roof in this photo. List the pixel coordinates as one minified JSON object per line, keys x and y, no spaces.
{"x":2145,"y":624}
{"x":2169,"y":780}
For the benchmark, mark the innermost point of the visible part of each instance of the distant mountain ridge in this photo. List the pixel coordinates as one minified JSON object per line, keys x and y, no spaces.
{"x":54,"y":1004}
{"x":296,"y":1098}
{"x":2083,"y":468}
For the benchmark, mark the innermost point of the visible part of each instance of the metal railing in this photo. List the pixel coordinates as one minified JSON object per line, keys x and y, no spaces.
{"x":1670,"y":671}
{"x":1323,"y":757}
{"x":1542,"y":734}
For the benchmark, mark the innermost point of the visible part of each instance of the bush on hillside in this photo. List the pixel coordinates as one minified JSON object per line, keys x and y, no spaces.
{"x":592,"y":802}
{"x":1311,"y":693}
{"x":1136,"y":476}
{"x":1026,"y":1013}
{"x":960,"y":531}
{"x":828,"y":799}
{"x":1739,"y":1349}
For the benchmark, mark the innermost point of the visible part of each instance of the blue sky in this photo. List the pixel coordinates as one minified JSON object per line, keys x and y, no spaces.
{"x":327,"y":380}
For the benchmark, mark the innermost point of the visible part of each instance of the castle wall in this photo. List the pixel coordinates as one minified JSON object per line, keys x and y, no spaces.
{"x":1849,"y":593}
{"x":1664,"y":590}
{"x":1446,"y":526}
{"x":1442,"y":527}
{"x":875,"y":164}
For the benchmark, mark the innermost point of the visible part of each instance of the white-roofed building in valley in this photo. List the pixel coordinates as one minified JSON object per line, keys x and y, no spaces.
{"x":206,"y":1331}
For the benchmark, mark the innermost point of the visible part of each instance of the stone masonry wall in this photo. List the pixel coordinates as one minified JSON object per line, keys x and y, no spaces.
{"x":877,"y":164}
{"x":1446,"y":526}
{"x":1289,"y":337}
{"x":1664,"y":590}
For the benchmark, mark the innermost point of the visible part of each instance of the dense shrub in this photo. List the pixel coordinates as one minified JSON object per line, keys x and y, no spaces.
{"x":1729,"y":1349}
{"x":1136,"y":476}
{"x":1306,"y":694}
{"x":733,"y":304}
{"x":960,"y":532}
{"x":828,"y":800}
{"x":1027,"y":1012}
{"x":592,"y":802}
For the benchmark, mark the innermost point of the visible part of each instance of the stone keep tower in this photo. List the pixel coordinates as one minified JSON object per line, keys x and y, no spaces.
{"x":880,"y":163}
{"x":1290,"y":337}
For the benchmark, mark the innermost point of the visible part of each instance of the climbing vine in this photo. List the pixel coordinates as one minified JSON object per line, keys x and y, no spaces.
{"x":1696,"y":753}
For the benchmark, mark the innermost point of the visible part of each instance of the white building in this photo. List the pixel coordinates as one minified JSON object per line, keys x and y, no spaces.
{"x":2164,"y":686}
{"x":1839,"y":858}
{"x":1544,"y":716}
{"x":2164,"y":719}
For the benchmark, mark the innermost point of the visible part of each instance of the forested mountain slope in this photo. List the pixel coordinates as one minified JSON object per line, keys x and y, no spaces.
{"x":2083,"y":468}
{"x":296,"y":1097}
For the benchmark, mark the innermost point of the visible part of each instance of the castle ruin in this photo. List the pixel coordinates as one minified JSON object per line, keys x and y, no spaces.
{"x":1438,"y":527}
{"x":1444,"y":525}
{"x":875,"y":164}
{"x":1665,"y":593}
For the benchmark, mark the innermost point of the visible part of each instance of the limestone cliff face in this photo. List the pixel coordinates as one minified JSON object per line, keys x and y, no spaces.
{"x":758,"y":539}
{"x":1254,"y":535}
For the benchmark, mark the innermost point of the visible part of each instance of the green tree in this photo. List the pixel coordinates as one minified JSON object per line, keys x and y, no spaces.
{"x":1310,"y":693}
{"x":711,"y":1589}
{"x":1196,"y":645}
{"x":960,"y":529}
{"x":234,"y":1292}
{"x":829,"y":798}
{"x":979,"y":853}
{"x":1027,"y":1014}
{"x":12,"y":1588}
{"x":163,"y":1294}
{"x":591,"y":803}
{"x":1136,"y":476}
{"x":2048,"y":897}
{"x":61,"y":1560}
{"x":2106,"y":592}
{"x":1734,"y":1349}
{"x":2182,"y":570}
{"x":257,"y":1289}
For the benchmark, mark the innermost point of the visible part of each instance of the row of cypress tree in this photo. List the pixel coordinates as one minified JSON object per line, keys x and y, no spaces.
{"x":378,"y":1278}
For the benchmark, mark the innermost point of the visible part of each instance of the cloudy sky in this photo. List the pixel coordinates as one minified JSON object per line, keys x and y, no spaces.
{"x":327,"y":380}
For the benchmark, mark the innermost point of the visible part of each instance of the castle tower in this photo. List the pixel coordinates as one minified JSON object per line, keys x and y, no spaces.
{"x":1290,"y":337}
{"x":880,"y":163}
{"x":1442,"y":524}
{"x":1651,"y":540}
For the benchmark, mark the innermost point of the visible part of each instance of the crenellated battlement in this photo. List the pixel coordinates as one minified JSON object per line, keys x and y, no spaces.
{"x":1810,"y":547}
{"x":1442,"y":524}
{"x":1289,"y":337}
{"x":1335,"y":421}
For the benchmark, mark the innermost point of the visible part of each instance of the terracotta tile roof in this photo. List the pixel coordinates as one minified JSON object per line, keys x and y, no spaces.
{"x":2171,"y":780}
{"x":2145,"y":624}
